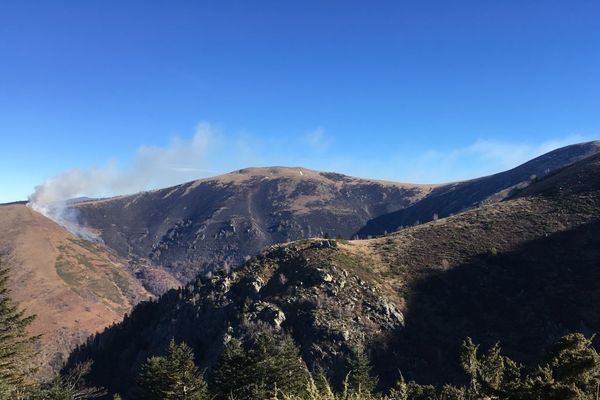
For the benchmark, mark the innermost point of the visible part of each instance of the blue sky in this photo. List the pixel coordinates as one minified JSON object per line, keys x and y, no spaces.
{"x":423,"y":91}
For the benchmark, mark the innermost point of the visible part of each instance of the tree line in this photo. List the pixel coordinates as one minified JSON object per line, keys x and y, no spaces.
{"x":272,"y":368}
{"x":267,"y":366}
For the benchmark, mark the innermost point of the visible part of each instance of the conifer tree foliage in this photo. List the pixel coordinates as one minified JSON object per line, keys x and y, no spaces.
{"x":233,"y":372}
{"x":268,"y":366}
{"x":491,"y":373}
{"x":16,"y":346}
{"x":571,"y":372}
{"x":575,"y":367}
{"x":320,"y":384}
{"x":172,"y":377}
{"x":360,"y":379}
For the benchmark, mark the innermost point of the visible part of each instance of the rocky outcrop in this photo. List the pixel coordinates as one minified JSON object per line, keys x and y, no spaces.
{"x":302,"y":289}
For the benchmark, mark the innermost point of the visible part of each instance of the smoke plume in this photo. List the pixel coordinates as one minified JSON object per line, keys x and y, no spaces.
{"x":152,"y":167}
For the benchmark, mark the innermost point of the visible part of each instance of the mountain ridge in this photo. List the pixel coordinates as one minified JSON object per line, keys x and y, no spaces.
{"x":219,"y":221}
{"x":454,"y":197}
{"x":520,"y":271}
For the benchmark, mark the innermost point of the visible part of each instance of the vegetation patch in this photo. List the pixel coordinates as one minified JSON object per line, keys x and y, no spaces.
{"x":90,"y":280}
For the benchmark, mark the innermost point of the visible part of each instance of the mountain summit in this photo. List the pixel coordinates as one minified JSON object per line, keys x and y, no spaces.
{"x":218,"y":222}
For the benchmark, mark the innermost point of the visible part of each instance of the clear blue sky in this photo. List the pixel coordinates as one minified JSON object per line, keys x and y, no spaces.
{"x":405,"y":90}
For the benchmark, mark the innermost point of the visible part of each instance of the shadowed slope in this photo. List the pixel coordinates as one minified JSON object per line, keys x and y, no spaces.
{"x":525,"y":299}
{"x":455,"y":197}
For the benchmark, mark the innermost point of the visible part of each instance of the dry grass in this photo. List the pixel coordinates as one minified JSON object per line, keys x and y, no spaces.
{"x":74,"y":287}
{"x":396,"y":261}
{"x":293,"y":176}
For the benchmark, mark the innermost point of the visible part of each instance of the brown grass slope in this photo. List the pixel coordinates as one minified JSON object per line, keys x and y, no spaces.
{"x":220,"y":221}
{"x":452,"y":198}
{"x":74,"y":287}
{"x":522,"y":271}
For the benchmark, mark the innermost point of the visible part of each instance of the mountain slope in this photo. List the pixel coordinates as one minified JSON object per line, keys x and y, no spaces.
{"x":522,"y":271}
{"x":449,"y":199}
{"x":220,"y":221}
{"x":74,"y":287}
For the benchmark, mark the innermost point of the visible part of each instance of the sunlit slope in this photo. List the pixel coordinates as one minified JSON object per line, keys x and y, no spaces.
{"x":74,"y":287}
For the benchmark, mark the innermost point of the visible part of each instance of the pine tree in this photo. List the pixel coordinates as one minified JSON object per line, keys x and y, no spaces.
{"x":152,"y":381}
{"x":186,"y":381}
{"x":575,"y":368}
{"x":316,"y":390}
{"x":360,"y":379}
{"x":469,"y":362}
{"x":491,"y":369}
{"x":172,"y":377}
{"x":278,"y":364}
{"x":421,"y":392}
{"x":16,"y":346}
{"x":400,"y":392}
{"x":491,"y":375}
{"x":232,"y":370}
{"x":269,"y":365}
{"x":321,"y":383}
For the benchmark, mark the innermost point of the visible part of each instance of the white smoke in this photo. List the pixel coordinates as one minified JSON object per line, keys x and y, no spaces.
{"x":152,"y":167}
{"x":68,"y":217}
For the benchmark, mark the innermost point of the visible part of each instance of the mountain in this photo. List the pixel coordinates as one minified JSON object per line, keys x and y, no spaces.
{"x":74,"y":287}
{"x":449,"y":199}
{"x":218,"y":222}
{"x":522,"y":271}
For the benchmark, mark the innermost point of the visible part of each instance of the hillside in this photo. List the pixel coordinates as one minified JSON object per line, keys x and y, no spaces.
{"x":74,"y":287}
{"x":452,"y":198}
{"x":522,"y":271}
{"x":220,"y":221}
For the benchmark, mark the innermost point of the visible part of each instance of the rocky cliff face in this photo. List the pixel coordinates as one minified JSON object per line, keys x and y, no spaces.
{"x":218,"y":222}
{"x":307,"y":289}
